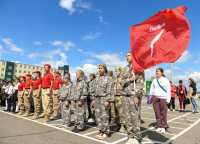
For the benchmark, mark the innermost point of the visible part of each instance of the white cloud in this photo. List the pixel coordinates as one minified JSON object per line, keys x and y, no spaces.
{"x":90,"y":68}
{"x":112,"y":60}
{"x":75,"y":5}
{"x":33,"y":55}
{"x":66,"y":45}
{"x":87,"y":68}
{"x":68,"y":5}
{"x":38,"y":43}
{"x":83,"y":5}
{"x":1,"y":50}
{"x":92,"y":36}
{"x":195,"y":75}
{"x":101,"y":20}
{"x":80,"y":50}
{"x":185,"y":57}
{"x":56,"y":58}
{"x":12,"y":46}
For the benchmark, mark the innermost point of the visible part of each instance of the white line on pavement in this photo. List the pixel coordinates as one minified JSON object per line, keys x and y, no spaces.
{"x":182,"y":132}
{"x":176,"y":128}
{"x":173,"y":119}
{"x":68,"y":131}
{"x":90,"y":133}
{"x":120,"y":140}
{"x":181,"y":123}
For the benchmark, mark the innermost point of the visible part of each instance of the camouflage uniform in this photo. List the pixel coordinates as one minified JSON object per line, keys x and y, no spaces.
{"x":65,"y":96}
{"x":132,"y":112}
{"x":27,"y":97}
{"x":117,"y":110}
{"x":21,"y":101}
{"x":80,"y":95}
{"x":37,"y":101}
{"x":91,"y":94}
{"x":103,"y":93}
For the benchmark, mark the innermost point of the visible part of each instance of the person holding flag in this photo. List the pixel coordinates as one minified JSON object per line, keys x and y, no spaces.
{"x":134,"y":90}
{"x":162,"y":38}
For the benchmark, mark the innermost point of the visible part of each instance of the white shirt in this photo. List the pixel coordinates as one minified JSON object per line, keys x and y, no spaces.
{"x":10,"y":89}
{"x":157,"y":91}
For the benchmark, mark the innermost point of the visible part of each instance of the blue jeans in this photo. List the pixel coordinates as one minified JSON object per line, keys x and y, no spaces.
{"x":194,"y":104}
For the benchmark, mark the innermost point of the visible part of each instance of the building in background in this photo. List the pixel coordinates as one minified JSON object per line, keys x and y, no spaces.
{"x":10,"y":70}
{"x":64,"y":69}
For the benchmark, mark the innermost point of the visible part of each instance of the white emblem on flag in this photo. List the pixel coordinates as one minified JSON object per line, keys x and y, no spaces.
{"x":156,"y":38}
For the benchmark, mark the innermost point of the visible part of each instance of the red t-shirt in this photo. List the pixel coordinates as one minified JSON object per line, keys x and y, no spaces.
{"x":57,"y":83}
{"x":36,"y":83}
{"x":28,"y":84}
{"x":46,"y":80}
{"x":173,"y":90}
{"x":21,"y":86}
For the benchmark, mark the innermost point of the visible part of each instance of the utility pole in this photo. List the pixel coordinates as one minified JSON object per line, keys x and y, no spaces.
{"x":171,"y":74}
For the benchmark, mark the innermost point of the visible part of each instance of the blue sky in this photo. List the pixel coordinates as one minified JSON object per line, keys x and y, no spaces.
{"x":83,"y":33}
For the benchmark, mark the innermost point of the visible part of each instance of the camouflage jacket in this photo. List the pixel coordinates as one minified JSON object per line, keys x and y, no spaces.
{"x":65,"y":92}
{"x":118,"y":87}
{"x":133,"y":88}
{"x":104,"y":87}
{"x":91,"y":89}
{"x":80,"y":91}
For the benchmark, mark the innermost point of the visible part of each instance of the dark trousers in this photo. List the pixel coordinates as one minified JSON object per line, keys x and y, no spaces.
{"x":172,"y":103}
{"x":160,"y":109}
{"x":11,"y":105}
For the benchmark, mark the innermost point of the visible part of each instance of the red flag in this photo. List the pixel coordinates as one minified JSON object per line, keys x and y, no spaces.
{"x":160,"y":39}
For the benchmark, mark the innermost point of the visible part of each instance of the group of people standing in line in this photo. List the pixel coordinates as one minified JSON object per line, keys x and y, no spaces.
{"x":107,"y":101}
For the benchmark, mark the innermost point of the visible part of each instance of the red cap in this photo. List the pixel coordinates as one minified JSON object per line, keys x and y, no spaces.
{"x":48,"y":65}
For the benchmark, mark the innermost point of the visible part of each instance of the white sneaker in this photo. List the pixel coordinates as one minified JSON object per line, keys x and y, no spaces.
{"x":158,"y":130}
{"x":161,"y":130}
{"x":132,"y":141}
{"x":91,"y":120}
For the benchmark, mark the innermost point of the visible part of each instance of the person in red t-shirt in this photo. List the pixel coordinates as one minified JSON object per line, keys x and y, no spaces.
{"x":20,"y":95}
{"x":57,"y":82}
{"x":27,"y":94}
{"x":47,"y":101}
{"x":36,"y":87}
{"x":182,"y":93}
{"x":171,"y":105}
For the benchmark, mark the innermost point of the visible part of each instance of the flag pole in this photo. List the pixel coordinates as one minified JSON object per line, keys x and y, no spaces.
{"x":171,"y":74}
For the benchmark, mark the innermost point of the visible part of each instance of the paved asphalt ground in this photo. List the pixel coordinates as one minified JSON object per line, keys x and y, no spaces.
{"x":15,"y":129}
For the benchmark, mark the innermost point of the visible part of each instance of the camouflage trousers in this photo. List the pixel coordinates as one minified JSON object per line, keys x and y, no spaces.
{"x":102,"y":114}
{"x":47,"y":102}
{"x":26,"y":97}
{"x":132,"y":118}
{"x":56,"y":103}
{"x":117,"y":110}
{"x":79,"y":113}
{"x":21,"y":101}
{"x":37,"y":101}
{"x":66,"y":110}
